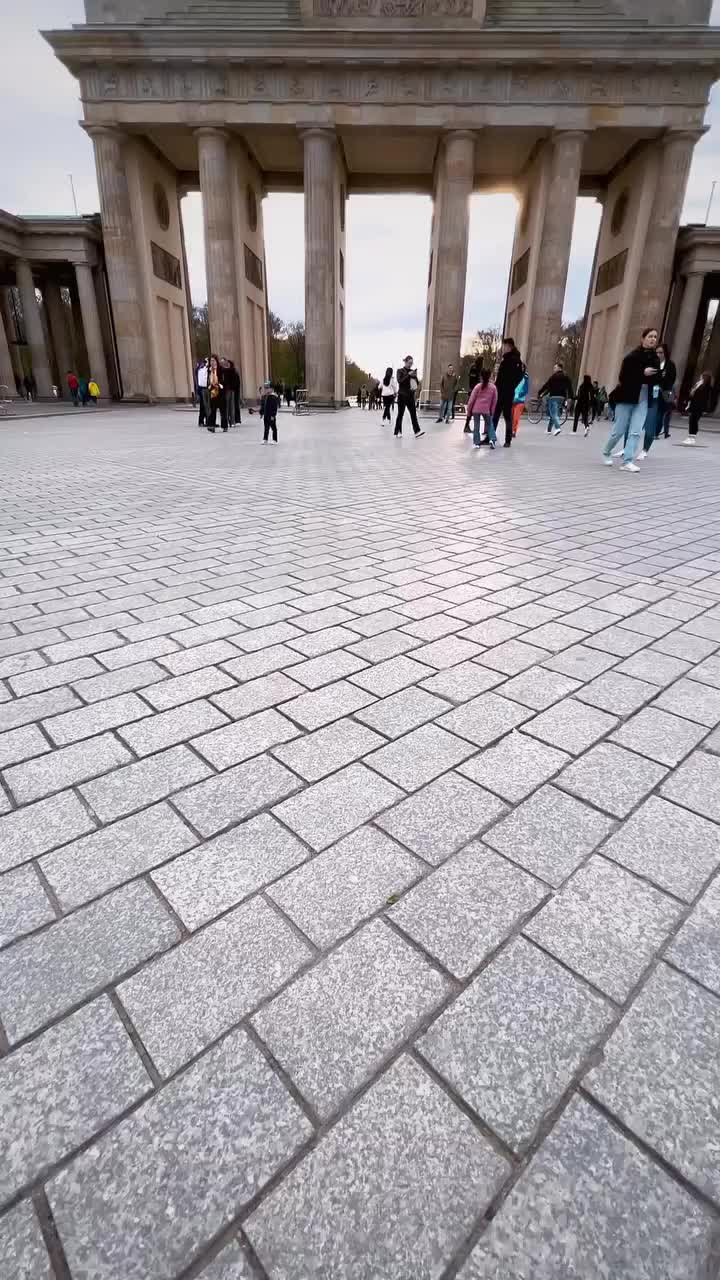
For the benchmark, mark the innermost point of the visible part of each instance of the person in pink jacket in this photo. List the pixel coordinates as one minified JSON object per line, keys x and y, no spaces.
{"x":482,"y":404}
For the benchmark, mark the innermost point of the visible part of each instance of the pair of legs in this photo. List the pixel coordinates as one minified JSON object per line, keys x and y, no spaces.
{"x":654,"y":423}
{"x":218,"y":403}
{"x":74,"y":396}
{"x":404,"y":404}
{"x":270,"y":424}
{"x":517,"y":413}
{"x":555,"y":405}
{"x":203,"y":406}
{"x":505,"y":410}
{"x":446,"y":410}
{"x":388,"y":402}
{"x":486,"y":418}
{"x":628,"y":425}
{"x":583,"y":413}
{"x":694,"y":423}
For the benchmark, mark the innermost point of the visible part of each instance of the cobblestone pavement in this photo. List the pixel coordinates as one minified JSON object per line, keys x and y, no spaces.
{"x":359,"y":889}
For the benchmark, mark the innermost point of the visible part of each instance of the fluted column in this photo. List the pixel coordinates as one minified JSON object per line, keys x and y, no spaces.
{"x":7,"y":373}
{"x":58,"y":315}
{"x":456,"y":171}
{"x":565,"y":162}
{"x":91,"y":326}
{"x":122,"y":263}
{"x":712,"y":355}
{"x":33,"y":328}
{"x":219,"y":243}
{"x":686,"y":322}
{"x":321,"y":245}
{"x":655,"y":275}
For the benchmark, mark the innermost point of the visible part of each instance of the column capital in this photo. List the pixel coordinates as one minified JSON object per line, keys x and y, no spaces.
{"x":461,"y":135}
{"x":569,"y":135}
{"x":112,"y":131}
{"x":690,"y":136}
{"x":317,"y":131}
{"x":211,"y":131}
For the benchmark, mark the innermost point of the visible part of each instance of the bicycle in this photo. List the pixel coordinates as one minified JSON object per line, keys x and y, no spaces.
{"x":537,"y":410}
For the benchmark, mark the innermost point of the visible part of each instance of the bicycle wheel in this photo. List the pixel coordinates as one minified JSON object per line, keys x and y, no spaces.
{"x":535,"y":411}
{"x":564,"y":413}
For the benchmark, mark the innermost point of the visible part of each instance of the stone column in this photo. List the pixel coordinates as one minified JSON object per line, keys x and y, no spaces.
{"x":565,"y":162}
{"x":122,"y":263}
{"x":453,"y":188}
{"x":57,"y":314}
{"x":219,"y":243}
{"x":712,"y":355}
{"x":655,"y":275}
{"x":7,"y":373}
{"x":91,"y":326}
{"x":34,"y":328}
{"x":321,"y":241}
{"x":686,"y":322}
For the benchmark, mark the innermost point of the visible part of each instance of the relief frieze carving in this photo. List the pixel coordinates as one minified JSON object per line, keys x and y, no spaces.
{"x":393,"y":8}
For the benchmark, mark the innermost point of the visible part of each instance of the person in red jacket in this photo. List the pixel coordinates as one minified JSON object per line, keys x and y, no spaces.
{"x":73,"y":387}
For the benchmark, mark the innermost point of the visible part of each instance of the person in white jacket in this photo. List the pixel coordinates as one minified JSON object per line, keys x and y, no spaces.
{"x":389,"y":392}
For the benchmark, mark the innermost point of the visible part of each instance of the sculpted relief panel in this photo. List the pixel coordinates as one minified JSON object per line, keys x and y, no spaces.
{"x":394,"y":8}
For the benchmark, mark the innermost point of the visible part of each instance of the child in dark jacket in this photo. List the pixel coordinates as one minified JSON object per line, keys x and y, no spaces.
{"x":699,"y":403}
{"x":269,"y":406}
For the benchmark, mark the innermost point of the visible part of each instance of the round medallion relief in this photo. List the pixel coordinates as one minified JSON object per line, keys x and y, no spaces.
{"x":252,"y":209}
{"x":619,"y":213}
{"x":162,"y":208}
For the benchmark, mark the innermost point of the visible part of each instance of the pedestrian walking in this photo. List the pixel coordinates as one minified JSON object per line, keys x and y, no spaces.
{"x":216,"y":395}
{"x":232,"y":393}
{"x":558,"y":389}
{"x":584,"y":404}
{"x":519,"y":398}
{"x":657,"y":422}
{"x":482,"y":405}
{"x":389,"y":392}
{"x":601,"y":400}
{"x":474,"y":374}
{"x":700,"y":402}
{"x":29,"y":385}
{"x":201,"y":382}
{"x":408,"y":387}
{"x":269,"y":405}
{"x":509,"y":374}
{"x":73,"y":387}
{"x":448,"y":391}
{"x":83,"y":391}
{"x":639,"y":375}
{"x":93,"y":391}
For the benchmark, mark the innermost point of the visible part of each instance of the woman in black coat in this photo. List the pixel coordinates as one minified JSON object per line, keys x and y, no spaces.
{"x":658,"y":419}
{"x":699,"y":403}
{"x":584,"y":402}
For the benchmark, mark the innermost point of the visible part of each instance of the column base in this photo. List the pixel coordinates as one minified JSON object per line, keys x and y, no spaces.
{"x":318,"y":404}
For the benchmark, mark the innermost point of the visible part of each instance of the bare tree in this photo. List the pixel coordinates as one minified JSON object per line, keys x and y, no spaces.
{"x":570,"y":348}
{"x":295,"y":338}
{"x":201,"y":329}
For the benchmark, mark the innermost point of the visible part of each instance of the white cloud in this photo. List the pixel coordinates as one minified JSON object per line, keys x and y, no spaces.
{"x":388,"y":236}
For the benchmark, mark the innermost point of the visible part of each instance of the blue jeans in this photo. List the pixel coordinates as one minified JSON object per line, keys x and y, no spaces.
{"x":446,"y":410}
{"x":489,"y":427}
{"x":555,"y":404}
{"x":629,"y":418}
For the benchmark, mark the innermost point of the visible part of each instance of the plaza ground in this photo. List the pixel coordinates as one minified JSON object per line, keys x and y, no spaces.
{"x":359,"y":849}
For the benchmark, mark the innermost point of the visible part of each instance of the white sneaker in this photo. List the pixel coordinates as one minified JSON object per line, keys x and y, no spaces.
{"x":607,"y":462}
{"x":556,"y":431}
{"x":690,"y":440}
{"x":586,"y":432}
{"x":618,"y":452}
{"x":629,"y":466}
{"x":639,"y":457}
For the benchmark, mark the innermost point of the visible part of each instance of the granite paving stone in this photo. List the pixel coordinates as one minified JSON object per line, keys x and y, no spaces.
{"x":140,"y":1203}
{"x":707,"y":672}
{"x":611,"y":778}
{"x":485,"y":719}
{"x":571,"y":725}
{"x":660,"y":1075}
{"x":696,"y":785}
{"x":177,"y":690}
{"x":392,"y":1190}
{"x":581,"y":663}
{"x":218,"y":874}
{"x":51,"y":677}
{"x":513,"y":657}
{"x":65,"y":767}
{"x":231,"y":1264}
{"x":555,"y":636}
{"x":22,"y":1246}
{"x":539,"y":688}
{"x":514,"y":766}
{"x":389,"y":644}
{"x":492,"y":632}
{"x":463,"y":682}
{"x":319,"y":707}
{"x":695,"y":701}
{"x":331,"y":894}
{"x":185,"y":1000}
{"x":589,"y":619}
{"x":140,"y":675}
{"x":680,"y":644}
{"x":389,"y":677}
{"x":236,"y":794}
{"x":696,"y":949}
{"x":448,"y":652}
{"x":606,"y":926}
{"x":126,"y":655}
{"x":420,"y":756}
{"x":324,"y":812}
{"x":622,"y":1215}
{"x":99,"y":716}
{"x":327,"y":668}
{"x":35,"y":706}
{"x":315,"y":755}
{"x":43,"y":975}
{"x":92,"y":865}
{"x":335,"y":1025}
{"x":138,"y":785}
{"x":257,"y":695}
{"x":550,"y":834}
{"x":61,"y":1088}
{"x":659,"y":735}
{"x":442,"y":817}
{"x":17,"y":745}
{"x":617,"y":693}
{"x":465,"y":909}
{"x":168,"y":728}
{"x":672,"y":847}
{"x":401,"y":712}
{"x":30,"y":831}
{"x":513,"y":1040}
{"x":24,"y":904}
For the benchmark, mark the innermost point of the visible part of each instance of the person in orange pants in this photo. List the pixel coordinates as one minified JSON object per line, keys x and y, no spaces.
{"x":521,"y":394}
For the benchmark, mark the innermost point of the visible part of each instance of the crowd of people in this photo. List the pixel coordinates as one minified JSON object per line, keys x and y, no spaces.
{"x":83,"y":391}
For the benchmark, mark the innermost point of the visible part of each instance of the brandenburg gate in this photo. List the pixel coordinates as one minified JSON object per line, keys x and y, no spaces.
{"x":238,"y":98}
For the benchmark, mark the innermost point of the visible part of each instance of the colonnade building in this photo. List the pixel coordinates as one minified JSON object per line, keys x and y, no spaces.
{"x":237,"y":98}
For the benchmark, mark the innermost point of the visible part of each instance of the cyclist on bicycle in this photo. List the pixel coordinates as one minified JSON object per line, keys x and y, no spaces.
{"x":558,"y":389}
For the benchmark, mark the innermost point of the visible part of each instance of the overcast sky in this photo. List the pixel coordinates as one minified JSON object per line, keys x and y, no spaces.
{"x":388,"y":236}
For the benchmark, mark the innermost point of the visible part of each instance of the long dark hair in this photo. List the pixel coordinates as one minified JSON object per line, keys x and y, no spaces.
{"x":388,"y":376}
{"x":484,"y":378}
